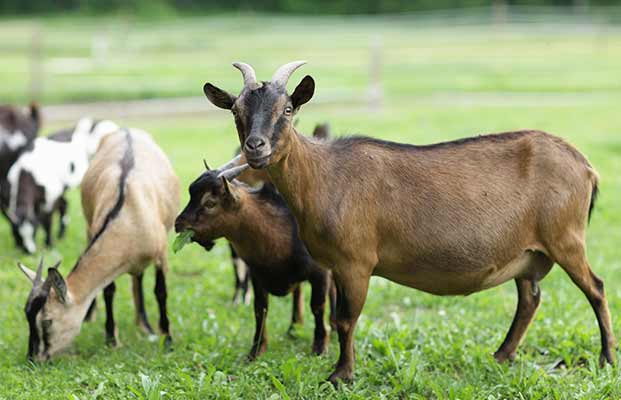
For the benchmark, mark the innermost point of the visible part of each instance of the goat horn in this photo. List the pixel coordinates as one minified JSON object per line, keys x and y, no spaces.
{"x":250,"y":77}
{"x":282,"y":74}
{"x":234,"y":172}
{"x":230,"y":164}
{"x":205,"y":163}
{"x":39,"y":271}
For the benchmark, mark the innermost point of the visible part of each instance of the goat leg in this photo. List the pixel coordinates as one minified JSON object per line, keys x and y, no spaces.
{"x":161,"y":295}
{"x":141,"y":313}
{"x":351,"y":295}
{"x":259,"y":343}
{"x":297,"y":312}
{"x":111,"y":330}
{"x":320,"y":287}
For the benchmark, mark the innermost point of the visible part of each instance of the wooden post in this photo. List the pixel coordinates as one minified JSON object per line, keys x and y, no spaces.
{"x":375,"y":72}
{"x":36,"y":64}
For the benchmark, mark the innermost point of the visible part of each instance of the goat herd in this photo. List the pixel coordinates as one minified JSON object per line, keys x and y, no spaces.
{"x":450,"y":218}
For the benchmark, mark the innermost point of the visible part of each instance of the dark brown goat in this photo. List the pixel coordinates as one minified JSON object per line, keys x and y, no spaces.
{"x":264,"y":234}
{"x":450,"y":218}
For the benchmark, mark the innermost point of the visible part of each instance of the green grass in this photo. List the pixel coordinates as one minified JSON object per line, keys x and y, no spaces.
{"x":441,"y":84}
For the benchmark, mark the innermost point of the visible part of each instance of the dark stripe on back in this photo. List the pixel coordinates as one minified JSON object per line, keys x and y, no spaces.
{"x":126,"y":164}
{"x":350,"y":141}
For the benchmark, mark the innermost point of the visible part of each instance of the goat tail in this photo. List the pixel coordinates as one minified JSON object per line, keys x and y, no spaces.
{"x":594,"y":194}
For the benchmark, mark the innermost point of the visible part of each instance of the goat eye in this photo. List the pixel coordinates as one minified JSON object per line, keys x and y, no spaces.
{"x":288,"y":110}
{"x":46,"y":323}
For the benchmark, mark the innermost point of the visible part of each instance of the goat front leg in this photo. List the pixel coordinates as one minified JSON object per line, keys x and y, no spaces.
{"x":259,"y":343}
{"x":141,"y":313}
{"x":351,"y":290}
{"x":46,"y":222}
{"x":112,"y":338}
{"x":161,"y":294}
{"x":320,"y":284}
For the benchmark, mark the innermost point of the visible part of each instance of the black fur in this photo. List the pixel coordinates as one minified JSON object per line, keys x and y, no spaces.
{"x":347,"y":142}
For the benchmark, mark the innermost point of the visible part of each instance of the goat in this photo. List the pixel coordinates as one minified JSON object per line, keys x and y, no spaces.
{"x":263,"y":232}
{"x":17,"y":131}
{"x":41,"y":175}
{"x":451,"y":218}
{"x":257,"y":177}
{"x":130,"y":196}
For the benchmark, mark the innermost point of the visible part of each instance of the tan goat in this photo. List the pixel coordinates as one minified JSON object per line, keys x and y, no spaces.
{"x":130,"y":197}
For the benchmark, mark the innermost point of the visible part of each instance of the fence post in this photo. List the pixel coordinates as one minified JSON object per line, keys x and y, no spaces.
{"x":375,"y":72}
{"x":36,"y":64}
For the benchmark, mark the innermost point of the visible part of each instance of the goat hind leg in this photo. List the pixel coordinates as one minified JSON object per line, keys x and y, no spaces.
{"x":529,"y":296}
{"x":572,"y":258}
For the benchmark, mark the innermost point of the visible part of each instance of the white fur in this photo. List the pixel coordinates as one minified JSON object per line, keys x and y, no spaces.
{"x":13,"y":140}
{"x":26,"y":231}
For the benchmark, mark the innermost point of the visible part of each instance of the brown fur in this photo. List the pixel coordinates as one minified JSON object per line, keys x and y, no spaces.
{"x":451,"y":218}
{"x":263,"y":233}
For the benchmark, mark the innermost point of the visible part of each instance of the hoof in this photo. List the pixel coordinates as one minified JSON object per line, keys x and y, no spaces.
{"x":341,"y":376}
{"x":606,"y":358}
{"x":320,"y":346}
{"x":113,"y":342}
{"x":502,"y":357}
{"x":168,"y":343}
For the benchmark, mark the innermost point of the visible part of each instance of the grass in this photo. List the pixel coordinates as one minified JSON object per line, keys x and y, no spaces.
{"x":440,"y":84}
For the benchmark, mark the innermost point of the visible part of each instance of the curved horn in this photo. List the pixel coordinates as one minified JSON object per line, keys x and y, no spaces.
{"x":205,"y":163}
{"x":230,"y":164}
{"x":282,"y":74}
{"x":234,"y":172}
{"x":250,"y":77}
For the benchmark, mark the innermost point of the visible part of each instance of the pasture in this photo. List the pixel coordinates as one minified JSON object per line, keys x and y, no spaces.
{"x":440,"y":83}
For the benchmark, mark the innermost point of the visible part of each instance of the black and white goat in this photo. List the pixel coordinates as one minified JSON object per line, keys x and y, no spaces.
{"x":17,"y":131}
{"x":42,"y":174}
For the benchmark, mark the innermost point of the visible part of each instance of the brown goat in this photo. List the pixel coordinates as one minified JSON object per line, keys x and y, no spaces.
{"x":256,"y":178}
{"x":264,"y":234}
{"x":451,"y":218}
{"x":130,"y":196}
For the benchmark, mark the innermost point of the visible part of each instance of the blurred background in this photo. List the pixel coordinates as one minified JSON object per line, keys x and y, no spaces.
{"x":367,"y":51}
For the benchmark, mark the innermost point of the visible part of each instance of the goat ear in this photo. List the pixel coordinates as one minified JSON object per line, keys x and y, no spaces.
{"x":303,"y":92}
{"x":219,"y":97}
{"x":58,"y":283}
{"x":30,"y":274}
{"x":228,"y":194}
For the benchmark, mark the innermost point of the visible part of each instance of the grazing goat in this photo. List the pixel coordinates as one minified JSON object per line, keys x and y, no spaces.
{"x":17,"y":131}
{"x":451,"y":218}
{"x":257,"y":177}
{"x":130,"y":196}
{"x":41,"y":175}
{"x":262,"y":230}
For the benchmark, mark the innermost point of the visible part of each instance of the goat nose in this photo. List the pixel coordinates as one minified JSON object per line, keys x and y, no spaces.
{"x":255,"y":143}
{"x":179,"y":226}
